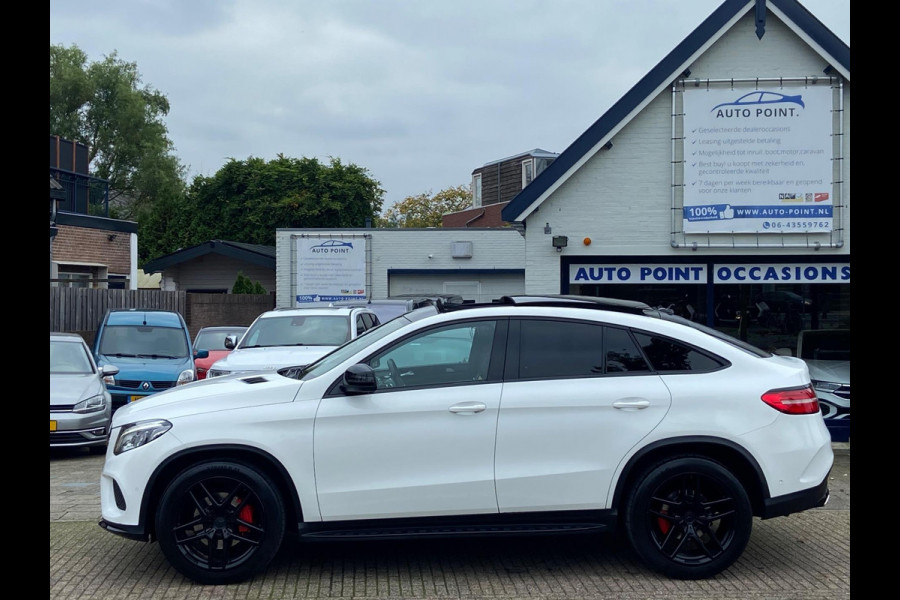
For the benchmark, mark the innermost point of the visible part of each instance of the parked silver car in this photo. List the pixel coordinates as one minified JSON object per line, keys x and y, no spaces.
{"x":80,"y":405}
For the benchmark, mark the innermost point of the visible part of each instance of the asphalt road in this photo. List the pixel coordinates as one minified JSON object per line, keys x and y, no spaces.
{"x":800,"y":557}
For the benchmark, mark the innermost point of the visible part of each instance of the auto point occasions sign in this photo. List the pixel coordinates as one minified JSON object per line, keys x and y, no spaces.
{"x":758,"y":160}
{"x":330,"y":269}
{"x":722,"y":273}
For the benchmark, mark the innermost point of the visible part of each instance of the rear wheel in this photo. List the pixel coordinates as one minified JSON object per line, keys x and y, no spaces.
{"x":220,"y":522}
{"x":688,"y":517}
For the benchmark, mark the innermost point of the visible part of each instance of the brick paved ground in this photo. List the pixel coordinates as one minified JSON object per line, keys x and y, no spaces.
{"x":799,"y":557}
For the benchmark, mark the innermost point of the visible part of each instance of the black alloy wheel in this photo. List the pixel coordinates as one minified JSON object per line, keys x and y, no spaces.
{"x":220,"y":522}
{"x":688,"y":518}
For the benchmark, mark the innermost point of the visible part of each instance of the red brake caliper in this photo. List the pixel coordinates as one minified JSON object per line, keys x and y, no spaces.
{"x":245,"y":515}
{"x":664,"y":524}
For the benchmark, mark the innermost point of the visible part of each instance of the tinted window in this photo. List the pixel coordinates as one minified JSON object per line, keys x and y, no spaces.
{"x":622,"y":353}
{"x":560,"y":349}
{"x":668,"y":355}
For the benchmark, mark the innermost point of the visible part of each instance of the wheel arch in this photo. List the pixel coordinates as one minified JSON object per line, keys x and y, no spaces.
{"x":254,"y":458}
{"x":731,"y":455}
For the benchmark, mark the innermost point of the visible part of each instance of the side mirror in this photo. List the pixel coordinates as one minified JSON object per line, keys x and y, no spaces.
{"x":359,"y":379}
{"x":109,"y":370}
{"x":201,"y":353}
{"x":784,"y":352}
{"x":231,"y":341}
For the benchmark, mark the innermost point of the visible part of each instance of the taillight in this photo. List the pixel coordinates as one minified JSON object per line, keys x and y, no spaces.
{"x":793,"y":401}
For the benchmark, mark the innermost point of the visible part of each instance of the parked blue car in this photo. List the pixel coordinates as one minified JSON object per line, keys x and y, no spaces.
{"x":152,"y":349}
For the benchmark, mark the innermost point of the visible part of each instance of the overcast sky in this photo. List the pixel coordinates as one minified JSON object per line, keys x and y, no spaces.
{"x":418,"y":92}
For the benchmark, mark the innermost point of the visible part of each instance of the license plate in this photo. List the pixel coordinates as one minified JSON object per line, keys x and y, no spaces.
{"x":52,"y":425}
{"x":134,"y":398}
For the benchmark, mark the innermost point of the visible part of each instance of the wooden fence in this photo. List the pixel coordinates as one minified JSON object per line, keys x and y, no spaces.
{"x":80,"y":310}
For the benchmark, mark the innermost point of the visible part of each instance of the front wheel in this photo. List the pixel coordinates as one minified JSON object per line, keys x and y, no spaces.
{"x":220,"y":522}
{"x":688,"y":517}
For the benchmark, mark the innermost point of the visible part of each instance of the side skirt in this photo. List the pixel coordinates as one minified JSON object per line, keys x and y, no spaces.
{"x":573,"y":522}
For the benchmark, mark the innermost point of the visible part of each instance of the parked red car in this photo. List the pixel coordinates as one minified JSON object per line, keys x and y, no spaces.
{"x":213,"y":339}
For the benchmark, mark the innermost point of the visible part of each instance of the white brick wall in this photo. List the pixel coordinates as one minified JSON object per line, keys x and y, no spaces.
{"x":500,"y":248}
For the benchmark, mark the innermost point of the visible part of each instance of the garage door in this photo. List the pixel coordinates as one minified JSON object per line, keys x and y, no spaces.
{"x":480,"y":287}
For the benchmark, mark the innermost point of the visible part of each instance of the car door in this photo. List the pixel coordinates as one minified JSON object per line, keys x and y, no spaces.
{"x":423,"y":442}
{"x":578,"y":396}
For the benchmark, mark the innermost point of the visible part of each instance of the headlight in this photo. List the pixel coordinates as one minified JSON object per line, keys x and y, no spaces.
{"x":93,"y":404}
{"x":109,"y":379}
{"x":216,"y":373}
{"x":137,"y":434}
{"x":186,"y":376}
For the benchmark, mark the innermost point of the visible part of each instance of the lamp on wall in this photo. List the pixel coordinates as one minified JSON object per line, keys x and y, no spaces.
{"x":111,"y":237}
{"x":560,"y":242}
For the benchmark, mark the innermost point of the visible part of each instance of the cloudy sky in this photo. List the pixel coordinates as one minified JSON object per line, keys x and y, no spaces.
{"x":418,"y":92}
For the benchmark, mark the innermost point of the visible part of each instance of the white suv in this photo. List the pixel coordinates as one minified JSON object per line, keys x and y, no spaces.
{"x":286,"y":337}
{"x":526,"y":415}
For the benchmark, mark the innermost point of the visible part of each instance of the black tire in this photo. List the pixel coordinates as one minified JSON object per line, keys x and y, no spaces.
{"x":688,"y":517}
{"x":220,"y":522}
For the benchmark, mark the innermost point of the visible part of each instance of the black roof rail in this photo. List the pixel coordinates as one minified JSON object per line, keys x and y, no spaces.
{"x":565,"y":300}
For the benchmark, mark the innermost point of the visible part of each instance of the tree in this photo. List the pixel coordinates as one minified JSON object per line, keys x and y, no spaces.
{"x":244,"y":285}
{"x":246,"y":201}
{"x":425,"y":210}
{"x":103,"y":105}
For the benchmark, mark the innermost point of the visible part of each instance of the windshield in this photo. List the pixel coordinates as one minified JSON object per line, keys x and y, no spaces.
{"x":145,"y":341}
{"x":69,"y":357}
{"x":339,"y":355}
{"x":297,"y":330}
{"x":215,"y":340}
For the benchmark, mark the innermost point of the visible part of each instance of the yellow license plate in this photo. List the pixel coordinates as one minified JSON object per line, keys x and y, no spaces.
{"x":52,"y":425}
{"x":134,"y":398}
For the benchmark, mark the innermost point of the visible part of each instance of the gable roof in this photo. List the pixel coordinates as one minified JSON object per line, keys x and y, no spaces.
{"x":802,"y":22}
{"x":253,"y":253}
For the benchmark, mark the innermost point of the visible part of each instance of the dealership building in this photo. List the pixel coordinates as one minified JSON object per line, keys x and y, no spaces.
{"x":718,"y":186}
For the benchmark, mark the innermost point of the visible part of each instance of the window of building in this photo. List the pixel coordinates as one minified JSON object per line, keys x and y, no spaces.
{"x":117,"y":282}
{"x":75,"y":280}
{"x":540,"y":164}
{"x":476,"y":190}
{"x":527,"y":171}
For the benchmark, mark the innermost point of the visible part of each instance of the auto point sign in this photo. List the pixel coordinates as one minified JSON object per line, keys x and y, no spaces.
{"x":330,"y":269}
{"x":758,"y":160}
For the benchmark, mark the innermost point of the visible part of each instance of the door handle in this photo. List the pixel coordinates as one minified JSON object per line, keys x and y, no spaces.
{"x":468,"y":407}
{"x":631,"y":404}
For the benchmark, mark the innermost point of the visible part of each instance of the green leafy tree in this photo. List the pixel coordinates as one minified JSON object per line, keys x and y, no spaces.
{"x":426,"y":210}
{"x":104,"y":105}
{"x":244,"y":285}
{"x":246,"y":201}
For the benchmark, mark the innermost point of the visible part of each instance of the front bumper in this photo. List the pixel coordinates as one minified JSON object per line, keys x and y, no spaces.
{"x":131,"y":532}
